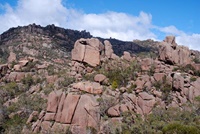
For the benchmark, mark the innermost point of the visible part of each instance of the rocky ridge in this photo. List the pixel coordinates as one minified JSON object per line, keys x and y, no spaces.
{"x":45,"y":89}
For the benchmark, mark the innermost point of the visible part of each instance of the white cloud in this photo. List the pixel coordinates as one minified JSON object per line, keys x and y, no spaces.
{"x":116,"y":25}
{"x":192,"y":41}
{"x":42,"y":12}
{"x":171,"y":30}
{"x":110,"y":24}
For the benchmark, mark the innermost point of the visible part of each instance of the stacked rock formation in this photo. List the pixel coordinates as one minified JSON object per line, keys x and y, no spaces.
{"x":170,"y":53}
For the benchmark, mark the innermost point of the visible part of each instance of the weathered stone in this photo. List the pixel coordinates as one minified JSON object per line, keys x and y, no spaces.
{"x":171,"y":40}
{"x":86,"y":112}
{"x":90,"y":87}
{"x":178,"y":82}
{"x":78,"y":53}
{"x":12,"y":57}
{"x":53,"y":101}
{"x":146,"y":64}
{"x":123,"y":108}
{"x":159,"y":76}
{"x":146,"y":96}
{"x":146,"y":105}
{"x":127,"y":56}
{"x":172,"y":54}
{"x":69,"y":108}
{"x":108,"y":49}
{"x":60,"y":108}
{"x":87,"y":50}
{"x":99,"y":78}
{"x":23,"y":63}
{"x":41,"y":115}
{"x":92,"y":56}
{"x":114,"y":111}
{"x":49,"y":117}
{"x":45,"y":126}
{"x":17,"y":67}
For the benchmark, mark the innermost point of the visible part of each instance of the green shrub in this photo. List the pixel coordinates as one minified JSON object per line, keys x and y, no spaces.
{"x":192,"y":79}
{"x":11,"y":89}
{"x":151,"y":70}
{"x":28,"y":80}
{"x":67,"y":81}
{"x":196,"y":60}
{"x":177,"y":128}
{"x":14,"y":125}
{"x":197,"y":98}
{"x":50,"y":70}
{"x":122,"y":74}
{"x":114,"y":85}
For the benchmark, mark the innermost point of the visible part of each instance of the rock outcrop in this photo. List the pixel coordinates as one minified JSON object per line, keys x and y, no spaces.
{"x":88,"y":51}
{"x":74,"y":111}
{"x":172,"y":54}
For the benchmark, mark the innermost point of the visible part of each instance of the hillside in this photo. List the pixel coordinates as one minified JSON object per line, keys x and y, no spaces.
{"x":56,"y":80}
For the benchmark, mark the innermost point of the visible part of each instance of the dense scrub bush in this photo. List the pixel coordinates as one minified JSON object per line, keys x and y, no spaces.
{"x":120,"y":74}
{"x":196,"y":60}
{"x":163,"y":121}
{"x":165,"y":87}
{"x":50,"y":70}
{"x":179,"y":128}
{"x":26,"y":104}
{"x":28,"y":80}
{"x":105,"y":103}
{"x":67,"y":81}
{"x":10,"y":89}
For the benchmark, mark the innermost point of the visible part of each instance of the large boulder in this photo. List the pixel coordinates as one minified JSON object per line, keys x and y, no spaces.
{"x":89,"y":87}
{"x":53,"y":101}
{"x":146,"y":103}
{"x":108,"y":49}
{"x":88,"y":51}
{"x":178,"y":82}
{"x":99,"y":78}
{"x":86,"y":113}
{"x":127,"y":56}
{"x":12,"y":57}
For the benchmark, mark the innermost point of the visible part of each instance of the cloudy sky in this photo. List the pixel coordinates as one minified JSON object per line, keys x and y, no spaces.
{"x":121,"y":19}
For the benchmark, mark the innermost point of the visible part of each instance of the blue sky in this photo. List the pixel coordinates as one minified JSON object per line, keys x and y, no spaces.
{"x":125,"y":20}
